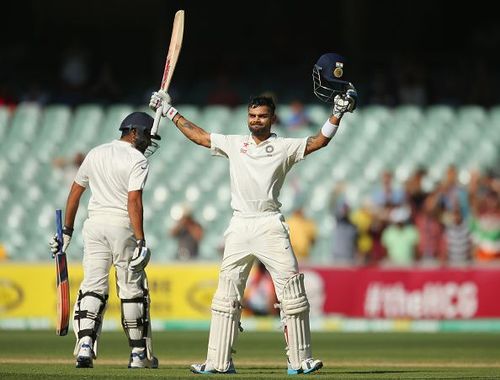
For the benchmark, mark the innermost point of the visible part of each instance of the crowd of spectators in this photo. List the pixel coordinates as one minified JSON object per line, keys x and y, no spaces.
{"x":450,"y":224}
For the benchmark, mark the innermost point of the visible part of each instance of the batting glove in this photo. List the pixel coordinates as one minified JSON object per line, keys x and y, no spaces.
{"x":54,"y":242}
{"x":345,"y":102}
{"x":162,"y":99}
{"x":140,"y":258}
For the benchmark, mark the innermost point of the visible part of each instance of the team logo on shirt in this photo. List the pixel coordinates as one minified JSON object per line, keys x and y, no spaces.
{"x":269,"y":149}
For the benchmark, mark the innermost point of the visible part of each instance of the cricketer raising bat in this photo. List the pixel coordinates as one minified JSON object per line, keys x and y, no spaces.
{"x":62,"y":282}
{"x":172,"y":56}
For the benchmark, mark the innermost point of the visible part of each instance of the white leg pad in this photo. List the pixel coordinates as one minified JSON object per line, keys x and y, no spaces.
{"x":136,"y":321}
{"x":226,"y":313}
{"x":295,"y":308}
{"x":87,"y":320}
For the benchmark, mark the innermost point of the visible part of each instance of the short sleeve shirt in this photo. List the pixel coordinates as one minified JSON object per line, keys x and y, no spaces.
{"x":257,"y":171}
{"x":112,"y":170}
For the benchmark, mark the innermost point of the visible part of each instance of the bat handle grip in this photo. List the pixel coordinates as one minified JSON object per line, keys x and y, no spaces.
{"x":156,"y":122}
{"x":59,"y":227}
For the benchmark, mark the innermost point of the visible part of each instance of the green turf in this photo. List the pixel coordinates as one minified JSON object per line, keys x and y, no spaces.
{"x":42,"y":355}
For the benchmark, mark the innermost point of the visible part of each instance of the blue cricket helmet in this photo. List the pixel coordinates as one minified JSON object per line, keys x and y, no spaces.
{"x":142,"y":123}
{"x":327,"y":74}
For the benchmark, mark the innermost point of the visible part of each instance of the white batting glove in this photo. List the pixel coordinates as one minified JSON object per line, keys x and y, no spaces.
{"x":343,"y":103}
{"x":162,"y":99}
{"x":54,"y":243}
{"x":140,"y":258}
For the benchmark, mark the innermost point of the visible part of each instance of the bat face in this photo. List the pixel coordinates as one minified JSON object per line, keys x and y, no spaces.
{"x":62,"y":283}
{"x":63,"y":299}
{"x":172,"y":55}
{"x":174,"y":49}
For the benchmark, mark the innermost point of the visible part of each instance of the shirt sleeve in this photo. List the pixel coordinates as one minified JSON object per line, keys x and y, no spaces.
{"x":82,"y":175}
{"x":220,"y":145}
{"x":296,"y":149}
{"x":138,"y":175}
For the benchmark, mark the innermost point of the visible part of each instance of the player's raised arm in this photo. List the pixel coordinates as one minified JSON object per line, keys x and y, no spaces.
{"x":189,"y":129}
{"x":342,"y":103}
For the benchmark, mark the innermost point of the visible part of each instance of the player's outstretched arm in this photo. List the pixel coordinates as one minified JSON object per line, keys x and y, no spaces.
{"x":342,"y":103}
{"x":192,"y":131}
{"x":319,"y":141}
{"x":189,"y":129}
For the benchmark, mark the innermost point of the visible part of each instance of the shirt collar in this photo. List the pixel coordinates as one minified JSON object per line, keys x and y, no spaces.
{"x":251,"y":141}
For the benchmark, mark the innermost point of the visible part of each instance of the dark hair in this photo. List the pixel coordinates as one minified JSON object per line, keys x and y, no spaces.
{"x":262,"y":101}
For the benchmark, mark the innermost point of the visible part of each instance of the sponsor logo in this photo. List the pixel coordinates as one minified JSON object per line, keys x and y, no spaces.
{"x":269,"y":149}
{"x":446,"y":300}
{"x":244,"y":149}
{"x":199,"y":296}
{"x":11,"y":295}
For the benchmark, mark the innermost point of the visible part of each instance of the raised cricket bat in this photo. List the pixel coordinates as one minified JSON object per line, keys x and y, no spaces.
{"x":62,"y":282}
{"x":174,"y":50}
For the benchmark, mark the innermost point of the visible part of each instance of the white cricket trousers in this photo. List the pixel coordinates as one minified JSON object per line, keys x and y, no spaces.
{"x":106,"y":245}
{"x":263,"y":237}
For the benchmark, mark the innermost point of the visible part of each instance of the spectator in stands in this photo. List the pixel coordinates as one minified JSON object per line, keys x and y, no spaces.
{"x":69,"y":166}
{"x":415,"y":194}
{"x":451,"y":192}
{"x":387,"y":195}
{"x":431,"y":247}
{"x":400,"y":238}
{"x":486,"y":228}
{"x":259,"y":297}
{"x":384,"y":197}
{"x":298,"y":117}
{"x":458,"y":238}
{"x":344,"y":236}
{"x":303,"y":233}
{"x":188,"y":233}
{"x":363,"y":219}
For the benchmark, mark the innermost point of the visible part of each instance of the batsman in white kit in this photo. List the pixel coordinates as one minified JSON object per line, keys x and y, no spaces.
{"x":113,"y":234}
{"x":258,"y":164}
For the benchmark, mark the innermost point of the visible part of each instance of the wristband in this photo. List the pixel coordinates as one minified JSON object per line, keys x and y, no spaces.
{"x":67,"y":231}
{"x":171,"y":113}
{"x":328,"y":129}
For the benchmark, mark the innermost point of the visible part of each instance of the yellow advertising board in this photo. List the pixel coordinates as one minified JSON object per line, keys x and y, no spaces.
{"x":178,"y":291}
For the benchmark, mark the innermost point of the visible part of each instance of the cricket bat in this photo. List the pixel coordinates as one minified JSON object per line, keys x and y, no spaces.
{"x":62,"y":282}
{"x":174,"y":50}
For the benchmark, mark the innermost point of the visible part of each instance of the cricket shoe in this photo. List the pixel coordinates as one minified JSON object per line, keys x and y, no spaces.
{"x":207,"y":368}
{"x":307,"y":366}
{"x":138,"y":359}
{"x":85,"y":356}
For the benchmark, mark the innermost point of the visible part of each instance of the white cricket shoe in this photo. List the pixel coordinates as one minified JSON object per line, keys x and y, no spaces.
{"x":138,"y":359}
{"x":207,"y":368}
{"x":85,"y":356}
{"x":307,"y":366}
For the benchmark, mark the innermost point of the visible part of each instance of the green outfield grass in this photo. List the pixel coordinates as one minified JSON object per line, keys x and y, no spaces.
{"x":42,"y":355}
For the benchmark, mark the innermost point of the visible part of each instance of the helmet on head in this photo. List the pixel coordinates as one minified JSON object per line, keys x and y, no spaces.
{"x":142,"y":123}
{"x":326,"y":77}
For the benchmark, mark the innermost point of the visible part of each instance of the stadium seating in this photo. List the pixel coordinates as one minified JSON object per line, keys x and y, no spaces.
{"x":370,"y":140}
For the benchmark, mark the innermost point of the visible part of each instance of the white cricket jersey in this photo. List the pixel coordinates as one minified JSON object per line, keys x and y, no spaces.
{"x":257,"y":171}
{"x":112,"y":170}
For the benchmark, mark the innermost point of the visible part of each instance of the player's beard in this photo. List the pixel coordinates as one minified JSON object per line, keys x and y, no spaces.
{"x":259,"y":130}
